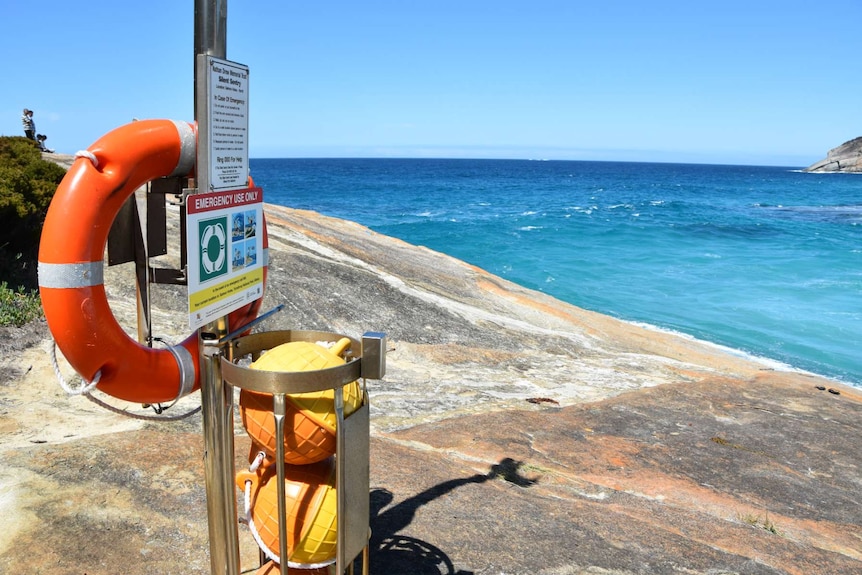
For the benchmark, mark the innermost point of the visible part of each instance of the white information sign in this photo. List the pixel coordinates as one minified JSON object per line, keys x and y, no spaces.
{"x":228,"y":124}
{"x":224,"y":235}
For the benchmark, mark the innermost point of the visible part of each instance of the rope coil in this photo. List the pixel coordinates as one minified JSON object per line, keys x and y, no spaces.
{"x":89,"y":155}
{"x":86,"y":387}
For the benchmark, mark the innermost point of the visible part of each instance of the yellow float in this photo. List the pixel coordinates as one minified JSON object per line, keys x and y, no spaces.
{"x":311,"y":507}
{"x":310,"y":418}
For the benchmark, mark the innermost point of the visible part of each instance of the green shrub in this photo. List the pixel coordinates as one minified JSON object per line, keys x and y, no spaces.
{"x":18,"y":307}
{"x":27,"y":184}
{"x":19,"y":151}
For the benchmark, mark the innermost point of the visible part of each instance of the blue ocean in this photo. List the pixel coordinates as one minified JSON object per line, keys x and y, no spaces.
{"x":764,"y":260}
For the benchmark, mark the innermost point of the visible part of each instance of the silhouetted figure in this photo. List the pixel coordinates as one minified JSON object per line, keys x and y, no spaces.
{"x":395,"y":552}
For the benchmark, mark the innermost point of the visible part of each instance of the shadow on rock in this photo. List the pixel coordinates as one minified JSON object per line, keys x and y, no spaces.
{"x":394,"y":552}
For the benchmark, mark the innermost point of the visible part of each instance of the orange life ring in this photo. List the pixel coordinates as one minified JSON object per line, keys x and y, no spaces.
{"x":71,"y":255}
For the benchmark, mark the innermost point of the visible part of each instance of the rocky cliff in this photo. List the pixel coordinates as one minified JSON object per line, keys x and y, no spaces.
{"x":845,"y":158}
{"x":513,"y":433}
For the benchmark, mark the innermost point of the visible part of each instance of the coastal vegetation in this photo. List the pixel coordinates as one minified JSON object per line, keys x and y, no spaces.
{"x":755,"y":520}
{"x":27,"y":184}
{"x":18,"y":306}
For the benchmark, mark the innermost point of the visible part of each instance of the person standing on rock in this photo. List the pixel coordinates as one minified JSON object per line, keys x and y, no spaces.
{"x":29,"y":124}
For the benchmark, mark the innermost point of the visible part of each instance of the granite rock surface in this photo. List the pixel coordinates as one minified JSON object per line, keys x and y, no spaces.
{"x":845,"y":158}
{"x":512,"y":434}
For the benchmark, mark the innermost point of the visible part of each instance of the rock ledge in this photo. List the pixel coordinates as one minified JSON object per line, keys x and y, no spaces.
{"x":845,"y":158}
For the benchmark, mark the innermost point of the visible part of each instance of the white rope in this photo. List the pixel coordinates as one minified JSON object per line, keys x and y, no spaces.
{"x":258,"y":459}
{"x":85,"y":386}
{"x":253,"y":467}
{"x":255,"y":464}
{"x":141,"y":416}
{"x":246,"y":516}
{"x":89,"y":155}
{"x":266,"y":550}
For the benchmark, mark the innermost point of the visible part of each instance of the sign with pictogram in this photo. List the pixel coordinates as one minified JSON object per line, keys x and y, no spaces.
{"x":213,"y":242}
{"x":225,"y":252}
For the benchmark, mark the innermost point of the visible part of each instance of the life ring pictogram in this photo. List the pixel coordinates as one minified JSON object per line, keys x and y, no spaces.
{"x":71,"y":253}
{"x":210,"y":263}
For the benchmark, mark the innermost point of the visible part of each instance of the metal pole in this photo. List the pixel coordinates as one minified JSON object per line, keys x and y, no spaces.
{"x":211,"y":28}
{"x":279,"y":411}
{"x":217,"y":415}
{"x":216,"y":394}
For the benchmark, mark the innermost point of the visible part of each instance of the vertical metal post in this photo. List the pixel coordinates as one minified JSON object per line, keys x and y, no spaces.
{"x":279,"y":411}
{"x":142,"y":276}
{"x":211,"y":28}
{"x":216,"y":394}
{"x":217,"y":415}
{"x":340,"y":482}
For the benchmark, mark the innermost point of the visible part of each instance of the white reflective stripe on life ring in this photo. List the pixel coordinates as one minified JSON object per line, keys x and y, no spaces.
{"x":186,"y":364}
{"x":188,"y":149}
{"x":70,"y":276}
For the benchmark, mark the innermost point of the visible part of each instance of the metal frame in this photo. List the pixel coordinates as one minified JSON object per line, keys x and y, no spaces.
{"x":219,"y":373}
{"x":352,"y":434}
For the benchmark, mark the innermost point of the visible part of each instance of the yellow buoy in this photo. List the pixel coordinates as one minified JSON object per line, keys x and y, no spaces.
{"x":310,"y":417}
{"x":311,"y":507}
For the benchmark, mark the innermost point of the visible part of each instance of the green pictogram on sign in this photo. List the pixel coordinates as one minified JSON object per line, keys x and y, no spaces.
{"x":213,"y":245}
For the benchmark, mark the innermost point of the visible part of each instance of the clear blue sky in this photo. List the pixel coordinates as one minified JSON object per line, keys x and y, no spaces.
{"x":755,"y":82}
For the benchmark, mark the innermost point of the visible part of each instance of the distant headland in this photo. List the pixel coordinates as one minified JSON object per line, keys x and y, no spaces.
{"x":845,"y":158}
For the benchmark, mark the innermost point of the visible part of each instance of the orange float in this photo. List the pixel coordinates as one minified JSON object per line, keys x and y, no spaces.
{"x":311,"y":506}
{"x":71,"y":256}
{"x":310,"y":418}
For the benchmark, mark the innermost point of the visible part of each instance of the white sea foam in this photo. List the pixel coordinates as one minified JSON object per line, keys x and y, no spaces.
{"x":765,"y":361}
{"x":734,"y":254}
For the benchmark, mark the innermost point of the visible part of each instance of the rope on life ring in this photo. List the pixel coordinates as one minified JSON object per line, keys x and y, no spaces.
{"x":71,"y":251}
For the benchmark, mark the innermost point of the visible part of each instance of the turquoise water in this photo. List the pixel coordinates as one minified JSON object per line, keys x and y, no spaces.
{"x":765,"y":260}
